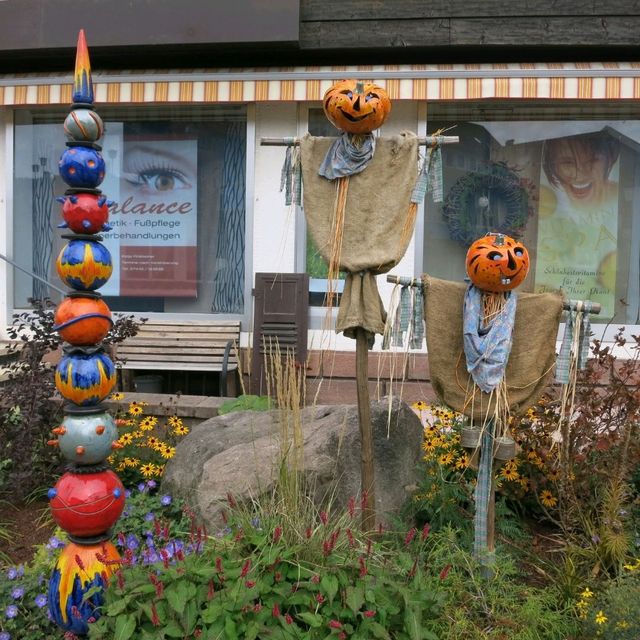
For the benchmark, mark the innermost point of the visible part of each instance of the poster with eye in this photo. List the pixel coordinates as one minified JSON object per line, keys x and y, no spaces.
{"x":578,"y":218}
{"x":153,"y":183}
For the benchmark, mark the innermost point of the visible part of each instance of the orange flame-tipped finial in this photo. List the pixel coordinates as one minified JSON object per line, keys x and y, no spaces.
{"x":82,"y":85}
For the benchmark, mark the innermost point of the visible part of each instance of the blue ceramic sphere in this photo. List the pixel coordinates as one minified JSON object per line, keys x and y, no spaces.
{"x":84,"y":265}
{"x":87,"y":439}
{"x":82,"y":167}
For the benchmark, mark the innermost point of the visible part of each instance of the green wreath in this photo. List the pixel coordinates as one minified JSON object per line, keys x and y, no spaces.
{"x":494,"y":199}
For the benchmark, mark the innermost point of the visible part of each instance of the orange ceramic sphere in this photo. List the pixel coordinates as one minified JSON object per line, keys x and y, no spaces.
{"x":356,"y":107}
{"x":497,"y":263}
{"x":82,"y":321}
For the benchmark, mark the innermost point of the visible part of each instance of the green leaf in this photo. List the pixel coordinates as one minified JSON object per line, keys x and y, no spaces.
{"x":173,"y":630}
{"x":312,"y":619}
{"x":117,"y":607}
{"x":330,"y":585}
{"x":252,"y":631}
{"x":412,"y":624}
{"x":378,"y":631}
{"x":230,"y":629}
{"x":125,"y":626}
{"x":355,"y":598}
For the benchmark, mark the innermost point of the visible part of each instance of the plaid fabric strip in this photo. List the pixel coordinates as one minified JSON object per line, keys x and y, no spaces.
{"x":564,"y":357}
{"x":482,"y":493}
{"x":436,"y":184}
{"x":417,"y":320}
{"x":422,"y":182}
{"x":403,"y":317}
{"x":585,"y":335}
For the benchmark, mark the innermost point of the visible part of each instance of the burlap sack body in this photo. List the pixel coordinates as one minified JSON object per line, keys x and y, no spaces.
{"x":374,"y":234}
{"x":532,"y":358}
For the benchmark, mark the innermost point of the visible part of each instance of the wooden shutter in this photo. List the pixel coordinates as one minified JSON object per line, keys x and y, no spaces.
{"x":281,"y":315}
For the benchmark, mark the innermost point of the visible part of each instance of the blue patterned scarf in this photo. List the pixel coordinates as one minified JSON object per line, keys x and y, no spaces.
{"x":487,"y":348}
{"x":345,"y":158}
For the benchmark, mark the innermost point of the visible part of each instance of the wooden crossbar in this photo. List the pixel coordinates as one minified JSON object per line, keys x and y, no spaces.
{"x":190,"y":345}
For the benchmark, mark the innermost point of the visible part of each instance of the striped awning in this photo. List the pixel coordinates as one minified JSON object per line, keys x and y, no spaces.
{"x":580,"y":81}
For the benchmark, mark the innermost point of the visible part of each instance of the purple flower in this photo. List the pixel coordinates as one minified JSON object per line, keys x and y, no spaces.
{"x":165,"y":501}
{"x":150,"y":516}
{"x":20,"y":569}
{"x":5,"y":635}
{"x":11,"y":611}
{"x":54,"y":543}
{"x":12,"y":573}
{"x":142,"y":486}
{"x":152,"y":484}
{"x":41,"y":601}
{"x":17,"y":593}
{"x":127,"y":493}
{"x":132,"y":541}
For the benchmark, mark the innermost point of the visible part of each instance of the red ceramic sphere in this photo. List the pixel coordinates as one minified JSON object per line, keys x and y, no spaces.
{"x":82,"y":321}
{"x":87,"y":504}
{"x":85,"y":212}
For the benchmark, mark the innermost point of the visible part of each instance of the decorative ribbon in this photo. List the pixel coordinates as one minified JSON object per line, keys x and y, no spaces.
{"x":487,"y":348}
{"x":481,"y":497}
{"x":345,"y":158}
{"x":291,"y":176}
{"x":430,"y":177}
{"x":569,"y":348}
{"x":405,"y":318}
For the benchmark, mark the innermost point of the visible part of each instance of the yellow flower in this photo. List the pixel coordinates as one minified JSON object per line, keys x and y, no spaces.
{"x":168,"y":451}
{"x":455,"y":438}
{"x":419,"y":405}
{"x":120,"y":467}
{"x":429,"y":446}
{"x":157,"y":470}
{"x":509,"y":473}
{"x":440,"y":442}
{"x":587,"y":593}
{"x":116,"y":396}
{"x":548,"y":499}
{"x":135,"y":409}
{"x":181,"y":430}
{"x":445,"y":459}
{"x":174,"y":421}
{"x":131,"y":462}
{"x":600,"y":617}
{"x":622,"y":624}
{"x":147,"y":469}
{"x":137,"y":435}
{"x":148,"y":423}
{"x":152,"y":442}
{"x":553,"y":475}
{"x":525,"y":484}
{"x":431,"y":430}
{"x":125,"y":439}
{"x":111,"y":459}
{"x":462,"y":462}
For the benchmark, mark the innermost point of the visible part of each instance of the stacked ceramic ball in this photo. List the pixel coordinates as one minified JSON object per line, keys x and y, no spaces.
{"x":88,"y":499}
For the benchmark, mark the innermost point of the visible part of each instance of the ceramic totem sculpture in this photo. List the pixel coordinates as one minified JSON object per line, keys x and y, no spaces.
{"x":88,"y":499}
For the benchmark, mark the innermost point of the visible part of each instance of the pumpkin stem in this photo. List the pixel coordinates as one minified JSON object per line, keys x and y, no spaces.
{"x":359,"y":87}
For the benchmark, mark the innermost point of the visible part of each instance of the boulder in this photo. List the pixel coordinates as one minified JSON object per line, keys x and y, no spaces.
{"x":239,"y":453}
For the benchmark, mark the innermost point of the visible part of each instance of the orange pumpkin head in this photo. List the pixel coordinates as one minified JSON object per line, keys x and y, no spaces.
{"x":497,"y":263}
{"x":356,"y":107}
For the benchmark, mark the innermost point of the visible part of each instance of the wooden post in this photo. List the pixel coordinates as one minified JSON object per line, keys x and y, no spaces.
{"x":366,"y":436}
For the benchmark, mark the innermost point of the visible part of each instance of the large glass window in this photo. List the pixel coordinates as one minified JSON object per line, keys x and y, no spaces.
{"x":562,"y":177}
{"x":177,"y":181}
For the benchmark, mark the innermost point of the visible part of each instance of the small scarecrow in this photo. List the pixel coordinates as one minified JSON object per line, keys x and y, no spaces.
{"x":491,"y":353}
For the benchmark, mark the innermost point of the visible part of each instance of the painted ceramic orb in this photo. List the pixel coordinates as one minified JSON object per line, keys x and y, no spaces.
{"x":82,"y":167}
{"x":85,"y":379}
{"x":82,"y":321}
{"x":87,"y":504}
{"x":85,"y":213}
{"x":83,"y":125}
{"x":86,"y":439}
{"x":84,"y":265}
{"x":78,"y":569}
{"x":497,"y":263}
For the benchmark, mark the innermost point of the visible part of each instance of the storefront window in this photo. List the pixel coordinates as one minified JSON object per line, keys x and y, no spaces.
{"x":563,"y":179}
{"x":177,"y":181}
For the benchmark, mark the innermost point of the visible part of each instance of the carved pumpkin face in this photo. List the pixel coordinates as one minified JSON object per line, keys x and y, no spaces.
{"x":497,"y":263}
{"x":356,"y":107}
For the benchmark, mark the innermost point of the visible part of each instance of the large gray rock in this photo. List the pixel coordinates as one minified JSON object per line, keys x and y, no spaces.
{"x":239,"y":453}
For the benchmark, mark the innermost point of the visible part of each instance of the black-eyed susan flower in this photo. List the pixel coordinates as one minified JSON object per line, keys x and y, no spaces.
{"x":152,"y":442}
{"x":148,"y":423}
{"x":445,"y":459}
{"x":553,"y":475}
{"x":181,"y":430}
{"x":600,"y":617}
{"x":147,"y":469}
{"x":135,"y":409}
{"x":116,"y":396}
{"x":462,"y":462}
{"x":429,"y":446}
{"x":174,"y":421}
{"x":125,"y":439}
{"x":548,"y":499}
{"x":168,"y":452}
{"x":509,"y":473}
{"x":420,"y":405}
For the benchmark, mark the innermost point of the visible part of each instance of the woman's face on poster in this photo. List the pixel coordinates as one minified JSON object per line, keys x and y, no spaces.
{"x":581,"y":169}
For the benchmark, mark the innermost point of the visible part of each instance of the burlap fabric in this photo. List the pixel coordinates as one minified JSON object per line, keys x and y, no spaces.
{"x":375,"y":232}
{"x":532,"y":357}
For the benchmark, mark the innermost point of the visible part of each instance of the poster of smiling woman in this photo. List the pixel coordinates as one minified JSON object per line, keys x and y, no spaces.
{"x":578,"y":218}
{"x":153,"y":241}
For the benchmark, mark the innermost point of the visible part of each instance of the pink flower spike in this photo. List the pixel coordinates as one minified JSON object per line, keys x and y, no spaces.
{"x":245,"y":568}
{"x":335,"y":624}
{"x":445,"y":572}
{"x":275,"y":611}
{"x":425,"y":531}
{"x":411,"y":534}
{"x":324,"y":517}
{"x":369,"y":613}
{"x":277,"y":534}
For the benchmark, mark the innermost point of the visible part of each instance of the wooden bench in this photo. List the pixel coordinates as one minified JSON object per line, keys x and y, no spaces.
{"x":183,"y":345}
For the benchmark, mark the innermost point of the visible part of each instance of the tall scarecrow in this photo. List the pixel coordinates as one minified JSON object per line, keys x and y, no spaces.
{"x":88,"y":499}
{"x":361,"y":195}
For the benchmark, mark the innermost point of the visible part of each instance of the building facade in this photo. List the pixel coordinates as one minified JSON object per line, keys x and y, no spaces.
{"x":544,"y":102}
